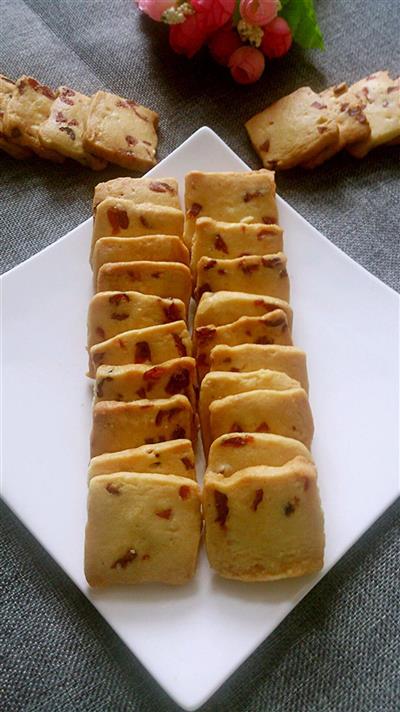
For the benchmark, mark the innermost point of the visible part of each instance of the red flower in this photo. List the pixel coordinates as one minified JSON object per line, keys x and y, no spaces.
{"x":223,"y":43}
{"x":187,"y":37}
{"x":217,"y":12}
{"x":277,"y":38}
{"x":246,"y":65}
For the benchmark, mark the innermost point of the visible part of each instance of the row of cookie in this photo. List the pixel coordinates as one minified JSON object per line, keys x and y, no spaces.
{"x":143,"y":415}
{"x":306,"y":128}
{"x":67,"y":124}
{"x":260,"y":496}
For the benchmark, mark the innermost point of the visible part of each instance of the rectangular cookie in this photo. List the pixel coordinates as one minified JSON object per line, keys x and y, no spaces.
{"x":223,"y":240}
{"x":224,"y":307}
{"x":121,"y":131}
{"x":174,"y":457}
{"x":137,"y":381}
{"x":381,"y":105}
{"x":119,"y":426}
{"x":158,"y":191}
{"x":232,"y":197}
{"x":220,"y":384}
{"x":285,"y":413}
{"x":29,"y":105}
{"x":293,"y":130}
{"x":350,"y":117}
{"x":118,"y":217}
{"x":166,"y":248}
{"x":142,"y":528}
{"x":271,"y":328}
{"x":230,"y":453}
{"x":152,"y":345}
{"x":266,"y":275}
{"x":250,"y":357}
{"x":6,"y":144}
{"x":63,"y":129}
{"x":264,"y":523}
{"x":164,"y":279}
{"x":111,"y":313}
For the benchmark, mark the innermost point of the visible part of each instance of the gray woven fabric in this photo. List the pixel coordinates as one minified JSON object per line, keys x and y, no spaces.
{"x":339,"y":649}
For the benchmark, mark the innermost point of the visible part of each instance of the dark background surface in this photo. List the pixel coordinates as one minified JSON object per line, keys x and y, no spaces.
{"x":339,"y":649}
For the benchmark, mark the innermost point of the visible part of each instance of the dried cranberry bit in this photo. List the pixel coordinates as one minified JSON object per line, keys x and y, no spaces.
{"x":258,"y":498}
{"x":121,"y":343}
{"x":160,"y":187}
{"x":145,"y":557}
{"x":236,"y":428}
{"x":267,"y":219}
{"x":180,"y":346}
{"x":126,"y":559}
{"x":264,"y":340}
{"x":119,"y":317}
{"x":73,"y":122}
{"x":251,"y":196}
{"x":113,"y":489}
{"x":205,"y":333}
{"x":264,"y":232}
{"x":248,"y":268}
{"x":60,"y":118}
{"x":210,"y":265}
{"x":344,"y":107}
{"x":131,"y":140}
{"x":154,"y":374}
{"x":118,"y":219}
{"x":134,"y":276}
{"x":221,"y":271}
{"x":194,"y":210}
{"x":178,"y":382}
{"x":189,"y":465}
{"x":265,"y":146}
{"x":263,"y":428}
{"x":144,"y":222}
{"x":179,"y":433}
{"x":318,"y":105}
{"x":141,"y":392}
{"x":221,"y":505}
{"x":159,"y":417}
{"x":100,"y":384}
{"x":172,"y":312}
{"x":118,"y":298}
{"x":100,"y":333}
{"x":164,"y":513}
{"x":395,"y":87}
{"x":142,"y":352}
{"x":291,"y":506}
{"x":220,"y":244}
{"x":238,"y":441}
{"x":156,"y":275}
{"x":184,"y":492}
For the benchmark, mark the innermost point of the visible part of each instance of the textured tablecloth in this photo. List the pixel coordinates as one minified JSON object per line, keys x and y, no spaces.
{"x":339,"y":650}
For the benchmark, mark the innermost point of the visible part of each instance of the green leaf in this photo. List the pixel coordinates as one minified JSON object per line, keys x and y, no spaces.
{"x":236,"y":14}
{"x":302,"y":20}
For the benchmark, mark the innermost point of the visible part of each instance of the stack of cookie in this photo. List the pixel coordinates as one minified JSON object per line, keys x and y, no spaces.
{"x":306,"y":128}
{"x":64,"y":123}
{"x":261,"y":503}
{"x":144,"y":518}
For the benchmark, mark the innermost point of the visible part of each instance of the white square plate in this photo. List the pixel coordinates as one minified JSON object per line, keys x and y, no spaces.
{"x":192,"y":638}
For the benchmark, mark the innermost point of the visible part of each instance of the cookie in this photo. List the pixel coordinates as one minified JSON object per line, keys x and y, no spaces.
{"x":285,"y":413}
{"x":29,"y":105}
{"x":222,"y":240}
{"x":118,"y":217}
{"x":250,"y":357}
{"x":271,"y":328}
{"x":350,"y":117}
{"x":121,"y":131}
{"x":118,"y":426}
{"x":164,"y":279}
{"x":264,"y":523}
{"x":137,"y":381}
{"x":63,"y":129}
{"x":381,"y":104}
{"x":266,"y":275}
{"x":6,"y":144}
{"x":158,"y":191}
{"x":235,"y":451}
{"x":293,"y":130}
{"x":224,"y":307}
{"x":111,"y":313}
{"x":166,"y":248}
{"x":151,"y":345}
{"x":174,"y":457}
{"x":142,"y":528}
{"x":220,"y":384}
{"x":232,"y":197}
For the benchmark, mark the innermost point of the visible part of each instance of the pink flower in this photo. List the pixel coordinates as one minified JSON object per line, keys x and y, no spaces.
{"x":277,"y":38}
{"x":154,"y":8}
{"x":215,"y":12}
{"x":187,"y":37}
{"x":258,"y":12}
{"x":223,"y":43}
{"x":246,"y":65}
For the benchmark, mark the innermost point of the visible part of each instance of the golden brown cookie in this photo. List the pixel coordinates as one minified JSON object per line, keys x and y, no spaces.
{"x":166,"y":248}
{"x":174,"y":457}
{"x":6,"y":144}
{"x":157,"y":191}
{"x":218,"y":308}
{"x":381,"y":104}
{"x":265,"y":275}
